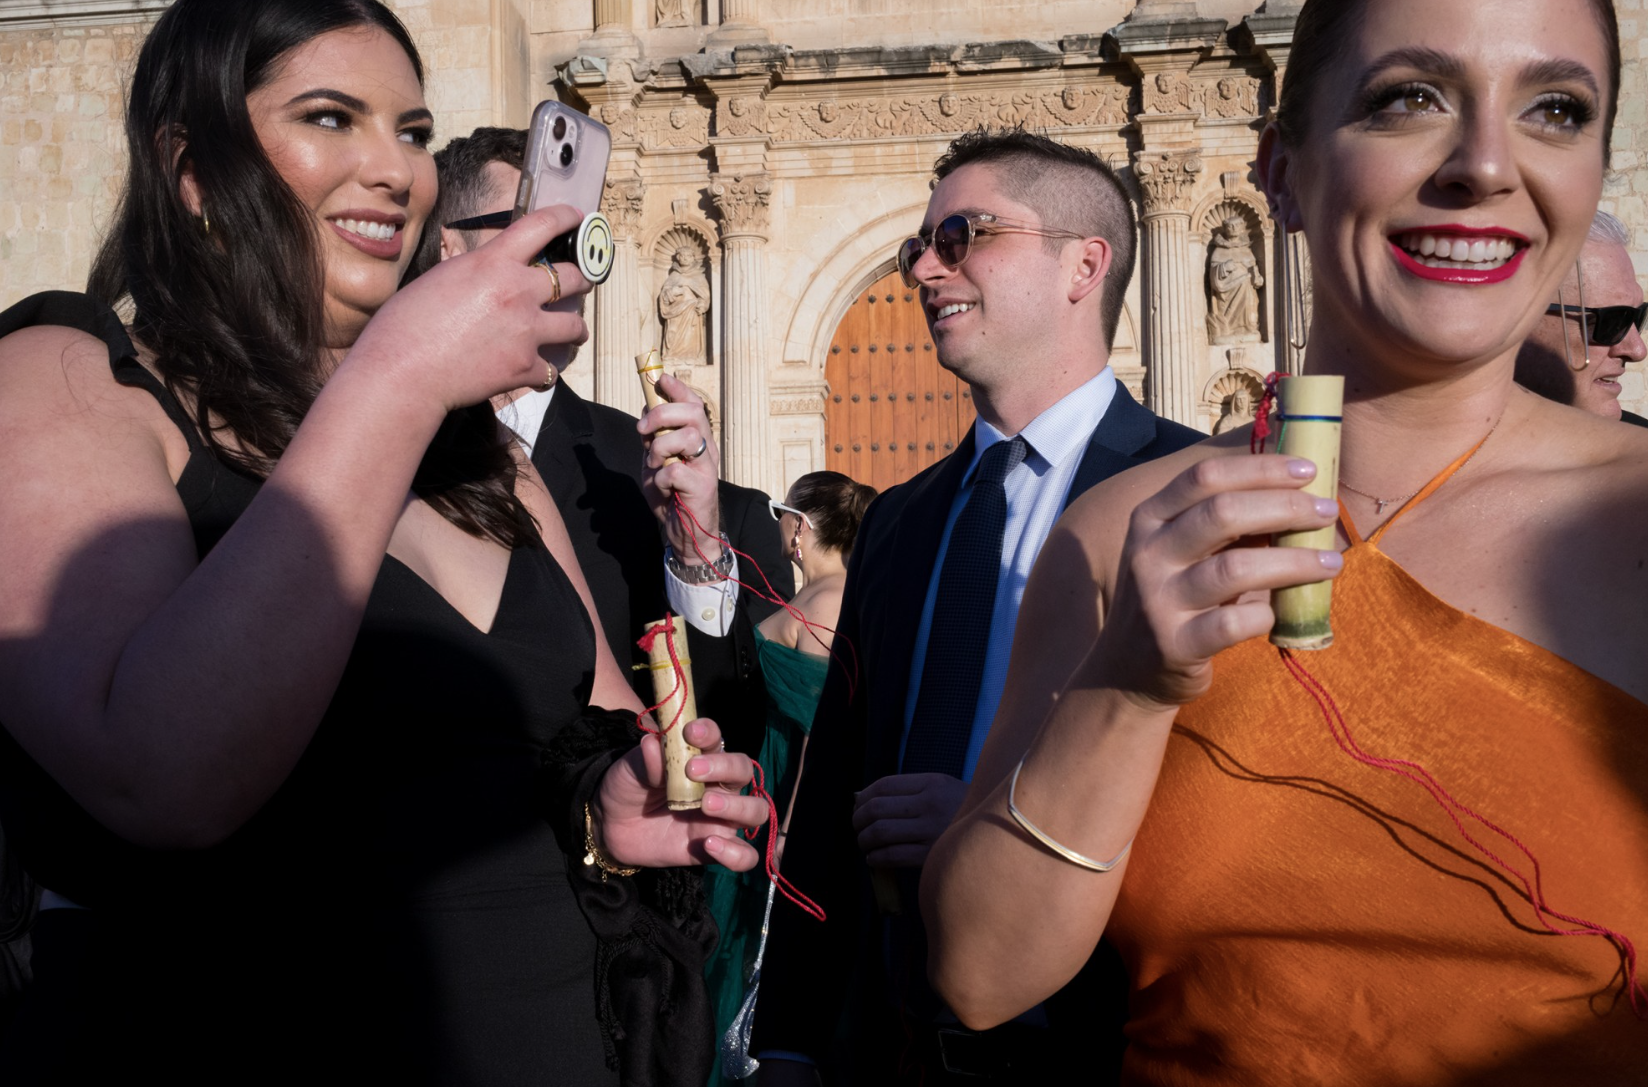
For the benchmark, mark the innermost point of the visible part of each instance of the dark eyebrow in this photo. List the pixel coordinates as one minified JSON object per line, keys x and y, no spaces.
{"x":969,"y":212}
{"x":1430,"y":60}
{"x":1561,"y":71}
{"x":350,"y":102}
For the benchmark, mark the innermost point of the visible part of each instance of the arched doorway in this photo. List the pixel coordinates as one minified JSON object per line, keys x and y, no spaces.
{"x":893,"y":410}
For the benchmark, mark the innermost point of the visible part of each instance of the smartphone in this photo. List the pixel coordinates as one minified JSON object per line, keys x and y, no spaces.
{"x":566,"y":163}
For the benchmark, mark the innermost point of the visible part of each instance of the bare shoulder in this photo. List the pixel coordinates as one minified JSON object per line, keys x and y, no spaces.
{"x":60,"y":378}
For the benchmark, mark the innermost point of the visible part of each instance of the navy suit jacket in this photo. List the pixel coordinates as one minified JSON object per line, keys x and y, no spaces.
{"x":856,"y":735}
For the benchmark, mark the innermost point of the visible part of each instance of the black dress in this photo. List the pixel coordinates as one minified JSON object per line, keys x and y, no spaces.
{"x":399,"y":911}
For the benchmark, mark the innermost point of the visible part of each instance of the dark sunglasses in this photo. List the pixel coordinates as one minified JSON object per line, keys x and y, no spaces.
{"x":952,"y":239}
{"x":1604,"y":326}
{"x":496,"y":220}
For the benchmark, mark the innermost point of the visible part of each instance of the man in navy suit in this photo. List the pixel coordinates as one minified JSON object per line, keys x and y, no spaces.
{"x":1021,"y":260}
{"x":599,"y":468}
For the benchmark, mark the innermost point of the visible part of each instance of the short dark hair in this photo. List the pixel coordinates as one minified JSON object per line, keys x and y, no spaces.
{"x":835,"y":504}
{"x":1322,"y":36}
{"x":1071,"y":188}
{"x":461,"y":167}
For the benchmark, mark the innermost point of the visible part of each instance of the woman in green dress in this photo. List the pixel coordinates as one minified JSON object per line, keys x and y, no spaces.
{"x":820,"y":518}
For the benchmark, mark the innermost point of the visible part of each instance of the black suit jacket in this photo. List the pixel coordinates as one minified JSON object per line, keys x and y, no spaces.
{"x":855,"y":739}
{"x":590,"y":458}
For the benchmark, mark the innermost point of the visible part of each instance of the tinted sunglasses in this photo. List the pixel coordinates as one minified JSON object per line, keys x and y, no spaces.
{"x":1604,"y":326}
{"x":775,"y":507}
{"x":952,"y":239}
{"x":496,"y":220}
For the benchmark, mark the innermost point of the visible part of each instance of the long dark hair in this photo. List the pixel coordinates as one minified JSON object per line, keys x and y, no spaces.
{"x":1323,"y":31}
{"x":235,"y":316}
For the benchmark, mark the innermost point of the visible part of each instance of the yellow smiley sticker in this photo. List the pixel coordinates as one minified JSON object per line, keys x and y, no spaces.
{"x":595,"y":247}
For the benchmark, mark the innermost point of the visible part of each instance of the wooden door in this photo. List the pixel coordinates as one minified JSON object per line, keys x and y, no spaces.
{"x":893,"y":410}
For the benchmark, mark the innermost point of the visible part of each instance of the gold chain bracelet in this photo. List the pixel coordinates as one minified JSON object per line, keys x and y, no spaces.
{"x":593,"y":857}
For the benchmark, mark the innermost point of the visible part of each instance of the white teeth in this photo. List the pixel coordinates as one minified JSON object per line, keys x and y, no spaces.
{"x":954,"y":307}
{"x":1457,"y":250}
{"x":380,"y":232}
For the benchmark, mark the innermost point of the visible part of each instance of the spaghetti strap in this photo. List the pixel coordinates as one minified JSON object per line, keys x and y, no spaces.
{"x":1428,"y":490}
{"x":1348,"y":525}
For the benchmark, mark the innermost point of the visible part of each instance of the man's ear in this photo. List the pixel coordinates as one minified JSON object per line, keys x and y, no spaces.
{"x":1272,"y":167}
{"x":1092,"y":266}
{"x":452,"y":243}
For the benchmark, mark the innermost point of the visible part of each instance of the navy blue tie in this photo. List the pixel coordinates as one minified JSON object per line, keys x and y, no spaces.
{"x":954,"y":668}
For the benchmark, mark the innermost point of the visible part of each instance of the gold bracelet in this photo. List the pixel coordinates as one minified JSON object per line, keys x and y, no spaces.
{"x":593,"y":855}
{"x":1041,"y":836}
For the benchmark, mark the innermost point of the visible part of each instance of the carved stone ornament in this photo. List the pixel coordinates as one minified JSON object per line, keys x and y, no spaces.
{"x":675,"y":13}
{"x":620,"y":119}
{"x":945,"y":114}
{"x":1167,"y":92}
{"x":1231,"y":96}
{"x":685,"y":124}
{"x":683,"y":301}
{"x":1235,"y":394}
{"x":1233,"y":282}
{"x":1167,"y":178}
{"x":745,"y":115}
{"x":622,"y":201}
{"x":742,"y":201}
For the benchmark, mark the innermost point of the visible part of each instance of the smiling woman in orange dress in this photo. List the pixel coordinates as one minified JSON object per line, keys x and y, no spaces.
{"x":1289,"y":914}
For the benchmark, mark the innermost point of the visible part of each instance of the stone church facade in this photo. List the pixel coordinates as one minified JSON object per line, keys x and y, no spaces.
{"x":769,"y":156}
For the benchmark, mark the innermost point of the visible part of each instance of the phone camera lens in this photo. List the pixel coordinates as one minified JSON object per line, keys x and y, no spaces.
{"x":566,"y":154}
{"x":559,"y":130}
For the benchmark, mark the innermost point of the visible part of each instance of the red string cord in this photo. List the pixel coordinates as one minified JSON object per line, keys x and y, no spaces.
{"x":1532,"y":889}
{"x":758,"y":786}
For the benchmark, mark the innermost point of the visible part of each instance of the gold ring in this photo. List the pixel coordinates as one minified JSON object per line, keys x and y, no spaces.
{"x":554,"y":281}
{"x":549,"y":377}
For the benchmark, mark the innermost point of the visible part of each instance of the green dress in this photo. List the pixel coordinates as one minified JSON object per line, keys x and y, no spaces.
{"x":738,"y":900}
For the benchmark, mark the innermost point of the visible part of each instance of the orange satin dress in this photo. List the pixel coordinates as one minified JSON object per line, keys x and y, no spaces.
{"x":1291,"y":916}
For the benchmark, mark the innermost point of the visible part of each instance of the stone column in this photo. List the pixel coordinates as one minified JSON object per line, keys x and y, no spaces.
{"x":1171,"y":285}
{"x":742,"y":201}
{"x":740,"y":25}
{"x":616,"y":331}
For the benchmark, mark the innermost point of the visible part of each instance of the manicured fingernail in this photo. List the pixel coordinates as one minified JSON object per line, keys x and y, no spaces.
{"x":1301,"y":469}
{"x":1331,"y":560}
{"x":714,"y":844}
{"x":714,"y":802}
{"x":697,"y":766}
{"x":1326,"y":507}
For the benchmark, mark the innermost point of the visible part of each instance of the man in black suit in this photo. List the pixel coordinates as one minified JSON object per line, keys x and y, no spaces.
{"x":1022,"y":258}
{"x":605,"y":470}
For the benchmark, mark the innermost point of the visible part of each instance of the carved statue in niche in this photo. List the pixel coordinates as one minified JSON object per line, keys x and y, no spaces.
{"x":1237,"y":393}
{"x":676,"y":13}
{"x":683,"y":301}
{"x":1234,"y":279}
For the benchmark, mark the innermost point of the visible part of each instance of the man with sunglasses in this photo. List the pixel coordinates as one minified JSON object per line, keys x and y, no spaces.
{"x":1021,"y":260}
{"x":1577,"y":353}
{"x":600,"y":469}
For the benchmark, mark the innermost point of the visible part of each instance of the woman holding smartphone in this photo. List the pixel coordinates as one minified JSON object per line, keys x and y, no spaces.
{"x":285,"y":631}
{"x":1294,"y":855}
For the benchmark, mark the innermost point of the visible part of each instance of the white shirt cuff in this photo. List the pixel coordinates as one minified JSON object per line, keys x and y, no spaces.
{"x":708,"y":607}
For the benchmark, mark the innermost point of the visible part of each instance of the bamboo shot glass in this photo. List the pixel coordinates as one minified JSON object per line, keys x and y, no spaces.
{"x":677,"y":707}
{"x":1310,"y":418}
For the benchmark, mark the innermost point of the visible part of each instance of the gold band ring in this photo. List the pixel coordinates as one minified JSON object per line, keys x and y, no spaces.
{"x":554,"y":281}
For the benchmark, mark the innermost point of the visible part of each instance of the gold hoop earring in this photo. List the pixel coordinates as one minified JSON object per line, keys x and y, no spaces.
{"x":205,"y":221}
{"x":796,"y":544}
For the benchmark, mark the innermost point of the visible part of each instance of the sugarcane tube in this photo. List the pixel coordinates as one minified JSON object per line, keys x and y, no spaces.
{"x":649,"y":365}
{"x":1310,"y":418}
{"x":676,"y":707}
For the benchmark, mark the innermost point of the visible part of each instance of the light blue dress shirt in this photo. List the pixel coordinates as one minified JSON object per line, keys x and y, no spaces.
{"x":1036,"y":492}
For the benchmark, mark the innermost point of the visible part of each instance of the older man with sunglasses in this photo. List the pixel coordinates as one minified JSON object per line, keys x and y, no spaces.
{"x":1021,"y":261}
{"x":1577,"y":354}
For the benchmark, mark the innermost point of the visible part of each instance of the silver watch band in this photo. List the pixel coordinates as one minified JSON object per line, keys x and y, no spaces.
{"x":705,"y":573}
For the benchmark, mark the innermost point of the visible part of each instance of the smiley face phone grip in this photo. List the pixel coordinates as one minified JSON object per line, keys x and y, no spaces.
{"x":589,"y":247}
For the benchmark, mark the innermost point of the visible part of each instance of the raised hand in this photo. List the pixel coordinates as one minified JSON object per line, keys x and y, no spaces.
{"x":1185,"y":591}
{"x":471,"y":327}
{"x":634,"y":825}
{"x":681,"y":428}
